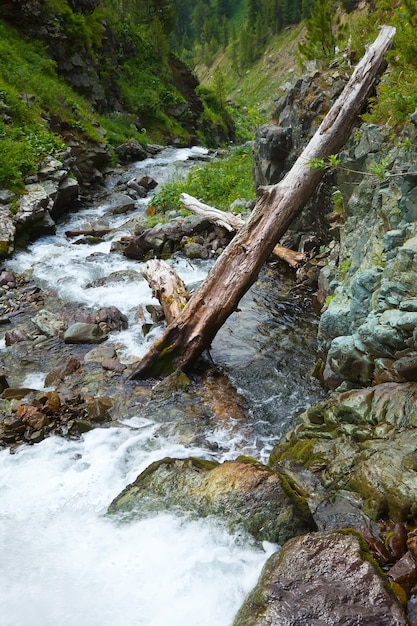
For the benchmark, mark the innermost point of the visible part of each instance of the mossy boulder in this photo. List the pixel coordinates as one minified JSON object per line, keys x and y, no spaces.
{"x":359,"y":442}
{"x":244,"y":494}
{"x":321,"y":578}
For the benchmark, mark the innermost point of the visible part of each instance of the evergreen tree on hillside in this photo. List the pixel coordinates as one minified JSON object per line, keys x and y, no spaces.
{"x":322,"y":30}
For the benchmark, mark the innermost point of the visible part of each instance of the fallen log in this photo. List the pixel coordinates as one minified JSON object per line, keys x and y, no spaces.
{"x":234,"y":223}
{"x":229,"y":221}
{"x":167,"y":286}
{"x":91,"y":232}
{"x":192,"y":332}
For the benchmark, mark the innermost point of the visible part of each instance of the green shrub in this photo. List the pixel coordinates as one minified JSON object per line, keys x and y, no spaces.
{"x":217,"y":183}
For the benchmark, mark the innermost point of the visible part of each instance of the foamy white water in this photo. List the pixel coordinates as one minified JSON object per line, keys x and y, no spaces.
{"x":64,"y":562}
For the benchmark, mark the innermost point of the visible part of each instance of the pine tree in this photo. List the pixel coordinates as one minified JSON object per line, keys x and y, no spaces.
{"x":321,"y":38}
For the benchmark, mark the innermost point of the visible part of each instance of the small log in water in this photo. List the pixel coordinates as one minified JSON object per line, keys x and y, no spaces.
{"x":293,"y":258}
{"x":167,"y":286}
{"x":237,"y":268}
{"x":234,"y":223}
{"x":91,"y":232}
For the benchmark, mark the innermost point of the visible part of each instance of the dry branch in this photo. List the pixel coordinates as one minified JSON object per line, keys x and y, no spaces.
{"x":234,"y":223}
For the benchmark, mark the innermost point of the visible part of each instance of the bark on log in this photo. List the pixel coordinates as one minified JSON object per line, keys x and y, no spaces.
{"x":167,"y":286}
{"x":192,"y":332}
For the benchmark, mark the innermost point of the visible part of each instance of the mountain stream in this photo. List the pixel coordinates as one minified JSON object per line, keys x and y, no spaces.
{"x":63,"y":561}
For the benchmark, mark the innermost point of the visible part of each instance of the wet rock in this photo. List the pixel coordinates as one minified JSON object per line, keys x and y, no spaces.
{"x":404,"y":572}
{"x":362,"y":441}
{"x":195,"y":250}
{"x":120,"y":203}
{"x":177,"y":381}
{"x":100,"y":354}
{"x":323,"y":578}
{"x":49,"y":324}
{"x":110,"y":318}
{"x":147,"y":182}
{"x":406,"y":367}
{"x":3,"y":381}
{"x":98,"y":409}
{"x":71,"y":365}
{"x":14,"y":336}
{"x":32,"y":416}
{"x":113,"y":365}
{"x":7,"y":278}
{"x":84,"y":333}
{"x":243,"y":494}
{"x":114,"y":278}
{"x":131,"y":151}
{"x":16,"y":393}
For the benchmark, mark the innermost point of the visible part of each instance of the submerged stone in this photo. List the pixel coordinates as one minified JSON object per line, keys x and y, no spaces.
{"x":322,"y":578}
{"x":244,"y":494}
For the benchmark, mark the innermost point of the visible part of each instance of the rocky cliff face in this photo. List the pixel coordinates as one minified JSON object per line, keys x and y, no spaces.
{"x":298,"y":113}
{"x":368,"y":330}
{"x":368,"y":333}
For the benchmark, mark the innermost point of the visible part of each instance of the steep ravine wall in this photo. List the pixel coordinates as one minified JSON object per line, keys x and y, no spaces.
{"x":366,"y":215}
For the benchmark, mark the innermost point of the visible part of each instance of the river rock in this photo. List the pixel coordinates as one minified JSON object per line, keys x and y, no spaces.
{"x":84,"y":333}
{"x":361,"y":441}
{"x":48,"y":323}
{"x":131,"y":151}
{"x":243,"y":494}
{"x":120,"y":203}
{"x":322,"y":578}
{"x":100,"y":354}
{"x":111,"y":318}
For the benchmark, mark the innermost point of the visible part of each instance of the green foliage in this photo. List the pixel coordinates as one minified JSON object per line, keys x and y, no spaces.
{"x":380,"y":169}
{"x":323,"y":32}
{"x":397,"y":92}
{"x":121,"y":127}
{"x":344,"y":267}
{"x":81,"y":29}
{"x":203,"y":28}
{"x":217,"y":183}
{"x":331,"y":162}
{"x":25,"y":138}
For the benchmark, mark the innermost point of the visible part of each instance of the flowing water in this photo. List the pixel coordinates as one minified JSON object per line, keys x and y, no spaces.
{"x":63,"y":561}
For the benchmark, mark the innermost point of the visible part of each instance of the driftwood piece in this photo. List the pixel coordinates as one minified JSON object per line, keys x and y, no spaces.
{"x":192,"y":332}
{"x":229,"y":221}
{"x":293,"y":258}
{"x":167,"y":286}
{"x":92,"y":232}
{"x":234,"y":223}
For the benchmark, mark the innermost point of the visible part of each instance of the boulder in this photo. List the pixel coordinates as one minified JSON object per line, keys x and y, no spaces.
{"x":322,"y":578}
{"x":361,"y":442}
{"x":243,"y":494}
{"x":81,"y":332}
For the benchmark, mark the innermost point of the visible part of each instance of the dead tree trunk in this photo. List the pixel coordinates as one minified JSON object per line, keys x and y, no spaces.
{"x":192,"y":332}
{"x":167,"y":286}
